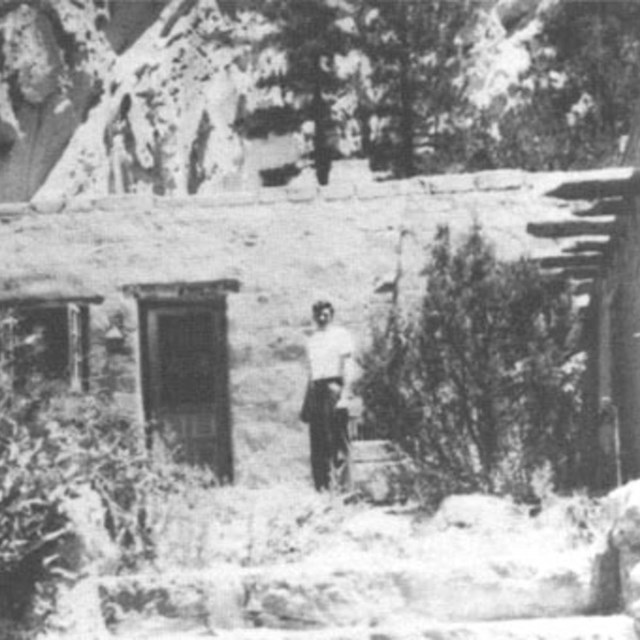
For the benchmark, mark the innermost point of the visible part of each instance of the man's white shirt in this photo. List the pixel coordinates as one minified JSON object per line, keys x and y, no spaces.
{"x":326,"y":350}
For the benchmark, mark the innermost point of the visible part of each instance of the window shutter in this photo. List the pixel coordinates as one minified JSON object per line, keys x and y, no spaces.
{"x":8,"y":344}
{"x":85,"y":346}
{"x":76,"y":350}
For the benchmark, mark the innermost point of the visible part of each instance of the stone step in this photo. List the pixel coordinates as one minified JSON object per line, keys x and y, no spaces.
{"x":617,"y":627}
{"x":381,"y":472}
{"x":314,"y":596}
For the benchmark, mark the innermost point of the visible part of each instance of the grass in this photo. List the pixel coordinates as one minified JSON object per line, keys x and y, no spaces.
{"x":289,"y":523}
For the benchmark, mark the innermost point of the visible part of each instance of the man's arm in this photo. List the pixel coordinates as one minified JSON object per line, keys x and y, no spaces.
{"x":347,"y":370}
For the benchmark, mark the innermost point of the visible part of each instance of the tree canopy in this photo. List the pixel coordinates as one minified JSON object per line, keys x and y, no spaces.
{"x":310,"y":36}
{"x":571,"y":107}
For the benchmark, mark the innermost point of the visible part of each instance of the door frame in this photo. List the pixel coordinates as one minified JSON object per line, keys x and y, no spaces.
{"x":223,"y":465}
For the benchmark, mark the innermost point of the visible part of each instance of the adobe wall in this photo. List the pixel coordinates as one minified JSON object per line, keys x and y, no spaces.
{"x":287,"y":247}
{"x":621,"y":307}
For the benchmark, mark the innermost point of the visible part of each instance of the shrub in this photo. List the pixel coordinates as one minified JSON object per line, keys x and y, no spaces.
{"x":480,"y":383}
{"x":54,"y":447}
{"x":44,"y":463}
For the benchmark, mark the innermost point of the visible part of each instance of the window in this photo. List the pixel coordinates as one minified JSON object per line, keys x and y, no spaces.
{"x":50,"y":340}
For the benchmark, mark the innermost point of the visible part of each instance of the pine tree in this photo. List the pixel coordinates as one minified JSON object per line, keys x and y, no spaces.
{"x":310,"y":35}
{"x":415,"y":56}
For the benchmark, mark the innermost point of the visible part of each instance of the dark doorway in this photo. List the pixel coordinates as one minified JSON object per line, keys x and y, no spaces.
{"x":185,"y":376}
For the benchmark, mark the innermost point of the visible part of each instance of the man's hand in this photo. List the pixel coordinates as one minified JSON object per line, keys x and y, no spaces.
{"x":344,"y":402}
{"x":335,"y":388}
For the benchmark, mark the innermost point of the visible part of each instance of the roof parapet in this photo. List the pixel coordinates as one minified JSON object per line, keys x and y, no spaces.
{"x":498,"y":180}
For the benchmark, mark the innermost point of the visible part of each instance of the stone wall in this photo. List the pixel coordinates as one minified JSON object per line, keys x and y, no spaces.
{"x":620,"y":347}
{"x":286,"y":247}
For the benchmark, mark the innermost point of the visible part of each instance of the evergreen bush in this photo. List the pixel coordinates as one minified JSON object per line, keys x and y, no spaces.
{"x":481,"y":383}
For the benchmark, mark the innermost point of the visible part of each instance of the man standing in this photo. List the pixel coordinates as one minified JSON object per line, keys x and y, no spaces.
{"x":330,"y":361}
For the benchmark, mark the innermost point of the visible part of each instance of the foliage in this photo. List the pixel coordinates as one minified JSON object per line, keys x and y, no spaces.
{"x":44,"y":463}
{"x":55,"y":446}
{"x":416,"y":58}
{"x":310,"y":35}
{"x":570,"y":109}
{"x":479,"y":383}
{"x":280,"y":523}
{"x":577,"y":100}
{"x":409,"y":101}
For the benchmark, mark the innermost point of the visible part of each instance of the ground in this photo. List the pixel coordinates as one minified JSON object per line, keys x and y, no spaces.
{"x":254,"y":561}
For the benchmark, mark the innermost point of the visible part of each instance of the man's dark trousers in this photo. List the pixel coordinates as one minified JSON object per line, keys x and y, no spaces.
{"x":328,"y":432}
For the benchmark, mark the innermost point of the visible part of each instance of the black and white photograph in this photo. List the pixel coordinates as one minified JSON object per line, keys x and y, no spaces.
{"x":320,"y":319}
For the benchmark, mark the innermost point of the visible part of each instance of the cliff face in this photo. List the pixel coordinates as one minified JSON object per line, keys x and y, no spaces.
{"x":164,"y":122}
{"x":54,"y":58}
{"x":104,"y":97}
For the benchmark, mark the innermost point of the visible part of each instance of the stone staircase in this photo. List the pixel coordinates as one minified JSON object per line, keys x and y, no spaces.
{"x":457,"y":586}
{"x":600,"y":628}
{"x":363,"y":603}
{"x":367,"y":599}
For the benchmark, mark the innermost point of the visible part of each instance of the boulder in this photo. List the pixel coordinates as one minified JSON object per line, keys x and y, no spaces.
{"x":623,"y":510}
{"x":623,"y":514}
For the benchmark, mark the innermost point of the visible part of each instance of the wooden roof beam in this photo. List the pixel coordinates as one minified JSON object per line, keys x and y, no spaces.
{"x":579,"y":285}
{"x":182,"y":289}
{"x":569,"y":228}
{"x":607,"y":207}
{"x":46,"y":300}
{"x":603,"y":183}
{"x":574,"y":260}
{"x":586,"y":246}
{"x":575,"y":273}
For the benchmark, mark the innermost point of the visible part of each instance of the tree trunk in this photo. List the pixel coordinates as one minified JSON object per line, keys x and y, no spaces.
{"x":631,"y":156}
{"x":321,"y":149}
{"x":406,"y":164}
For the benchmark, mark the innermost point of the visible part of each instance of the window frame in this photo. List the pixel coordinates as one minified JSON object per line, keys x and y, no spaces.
{"x":78,"y":325}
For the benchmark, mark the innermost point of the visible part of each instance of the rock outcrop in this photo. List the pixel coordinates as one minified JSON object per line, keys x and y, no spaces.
{"x":51,"y":53}
{"x":165,"y":122}
{"x":55,"y":59}
{"x":624,"y":506}
{"x":104,"y":97}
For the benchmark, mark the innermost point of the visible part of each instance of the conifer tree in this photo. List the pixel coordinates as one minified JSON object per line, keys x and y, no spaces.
{"x":309,"y":34}
{"x":415,"y":56}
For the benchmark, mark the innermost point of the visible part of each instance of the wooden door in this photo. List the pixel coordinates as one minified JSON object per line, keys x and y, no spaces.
{"x":187,"y":382}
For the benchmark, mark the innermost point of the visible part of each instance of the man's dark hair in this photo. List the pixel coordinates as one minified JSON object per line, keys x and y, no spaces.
{"x":320,"y":306}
